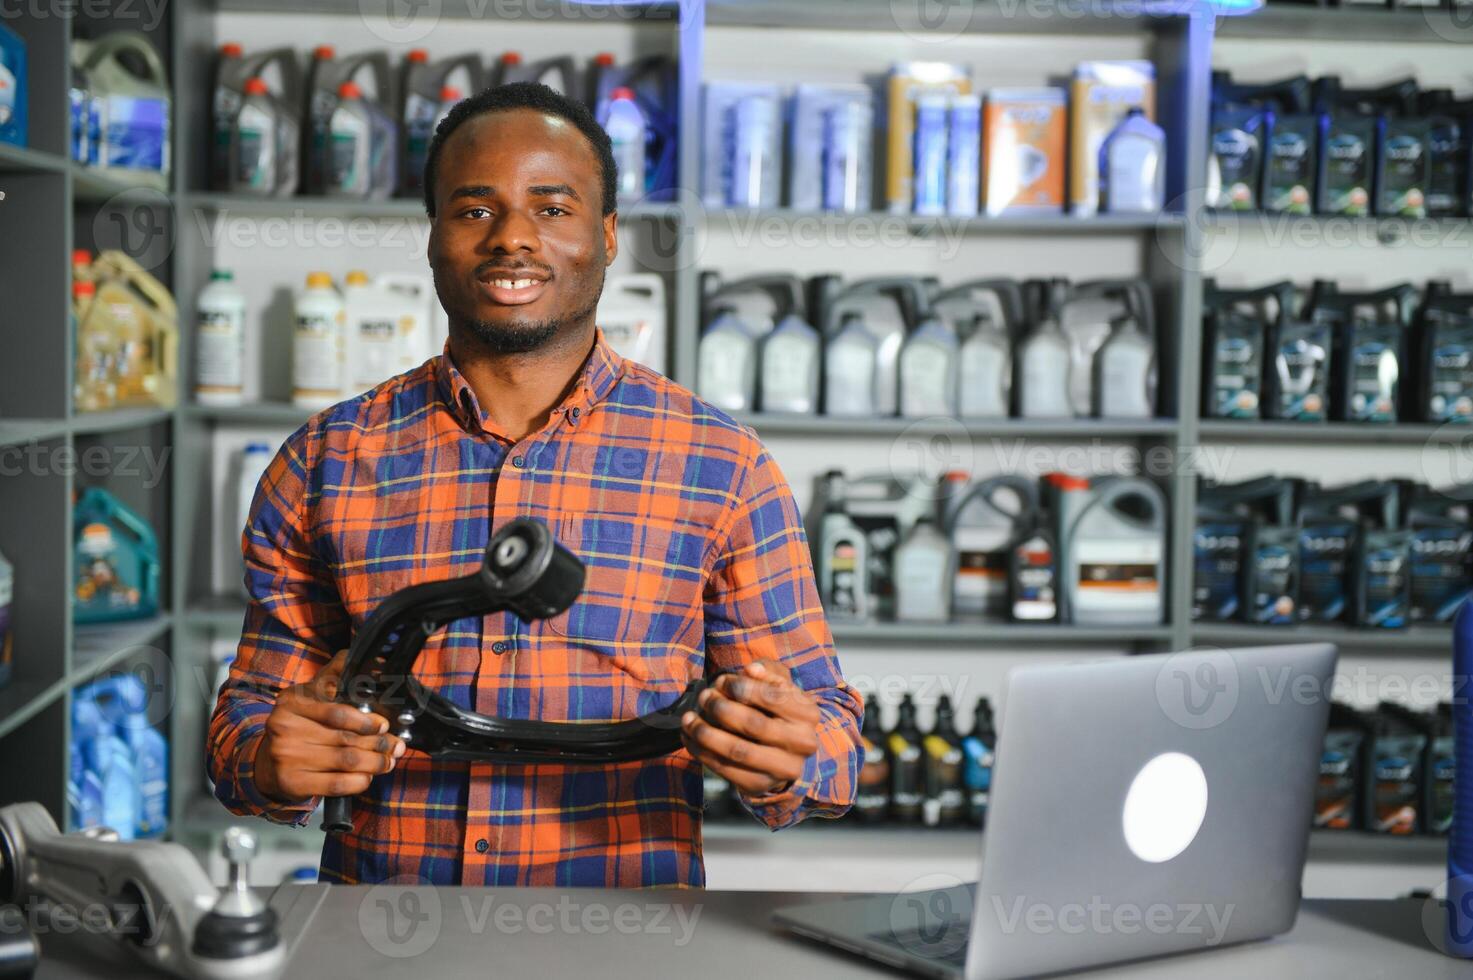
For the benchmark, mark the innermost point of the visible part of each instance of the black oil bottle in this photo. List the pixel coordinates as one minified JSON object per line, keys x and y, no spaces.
{"x":945,"y":805}
{"x":872,"y":802}
{"x":979,"y":747}
{"x":907,"y":766}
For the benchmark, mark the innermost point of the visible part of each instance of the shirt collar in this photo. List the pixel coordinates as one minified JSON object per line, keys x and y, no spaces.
{"x":596,"y":379}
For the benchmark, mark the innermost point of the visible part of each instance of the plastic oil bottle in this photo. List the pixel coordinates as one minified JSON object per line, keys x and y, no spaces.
{"x":927,"y":367}
{"x":789,"y":374}
{"x":1043,"y":359}
{"x":945,"y":805}
{"x":843,"y":556}
{"x":1133,"y":166}
{"x":1125,"y":372}
{"x":983,"y":520}
{"x":1460,"y":835}
{"x":95,"y":389}
{"x":145,"y":328}
{"x":219,"y":341}
{"x":907,"y":766}
{"x":424,"y":85}
{"x":626,"y":129}
{"x":116,"y":558}
{"x":1115,"y":553}
{"x":925,"y":566}
{"x":727,"y":370}
{"x":978,"y":749}
{"x":317,"y":344}
{"x":872,"y":801}
{"x":850,"y":360}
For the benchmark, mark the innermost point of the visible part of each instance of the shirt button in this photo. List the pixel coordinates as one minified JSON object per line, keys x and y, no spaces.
{"x":576,"y":412}
{"x":518,"y":461}
{"x":482,"y":847}
{"x":499,"y":647}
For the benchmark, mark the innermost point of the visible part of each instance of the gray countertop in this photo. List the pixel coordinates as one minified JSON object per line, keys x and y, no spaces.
{"x":443,"y":933}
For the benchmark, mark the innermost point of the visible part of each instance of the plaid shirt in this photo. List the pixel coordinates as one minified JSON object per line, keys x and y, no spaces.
{"x":696,"y":564}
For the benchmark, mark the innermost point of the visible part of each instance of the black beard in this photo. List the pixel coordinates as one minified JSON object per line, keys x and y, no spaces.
{"x":520,"y":339}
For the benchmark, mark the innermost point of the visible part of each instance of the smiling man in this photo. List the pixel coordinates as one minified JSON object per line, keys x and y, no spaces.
{"x":696,"y":561}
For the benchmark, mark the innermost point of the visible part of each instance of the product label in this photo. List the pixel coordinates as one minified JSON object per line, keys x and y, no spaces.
{"x":255,"y":149}
{"x":845,"y":580}
{"x":1442,"y":776}
{"x":1385,"y":568}
{"x":1218,"y":550}
{"x":315,"y":354}
{"x":873,"y":797}
{"x":1119,"y":576}
{"x":1396,"y":784}
{"x":1404,"y":170}
{"x":1275,"y":577}
{"x":945,"y":803}
{"x":1440,"y":580}
{"x":789,"y":374}
{"x":1450,"y":392}
{"x":850,"y":372}
{"x":726,"y":371}
{"x":1324,"y":563}
{"x":1374,"y":375}
{"x":926,"y":382}
{"x":1289,"y":169}
{"x":1347,"y":169}
{"x":906,"y":777}
{"x":1235,"y":152}
{"x":982,"y":570}
{"x":1447,"y":167}
{"x":1237,"y":368}
{"x":347,"y":157}
{"x":1335,"y":792}
{"x":1034,"y":595}
{"x":1301,"y":377}
{"x":375,"y":350}
{"x":977,"y":777}
{"x":219,"y":340}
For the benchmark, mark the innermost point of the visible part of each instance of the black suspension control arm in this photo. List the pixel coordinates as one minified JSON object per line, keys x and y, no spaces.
{"x":524,"y":571}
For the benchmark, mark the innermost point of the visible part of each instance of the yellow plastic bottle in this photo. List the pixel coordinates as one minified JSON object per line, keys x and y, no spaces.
{"x":92,"y":388}
{"x":145,"y":327}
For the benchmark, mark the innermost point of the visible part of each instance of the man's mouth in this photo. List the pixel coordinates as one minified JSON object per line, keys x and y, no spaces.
{"x":512,"y":288}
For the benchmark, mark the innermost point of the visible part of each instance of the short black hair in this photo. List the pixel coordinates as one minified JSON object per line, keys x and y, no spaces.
{"x":525,"y":95}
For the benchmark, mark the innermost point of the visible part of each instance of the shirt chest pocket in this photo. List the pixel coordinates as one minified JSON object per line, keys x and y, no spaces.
{"x":642,"y":585}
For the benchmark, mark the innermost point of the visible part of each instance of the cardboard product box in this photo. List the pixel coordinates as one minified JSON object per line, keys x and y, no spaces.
{"x":906,"y":82}
{"x":1101,"y":93}
{"x":1024,"y":150}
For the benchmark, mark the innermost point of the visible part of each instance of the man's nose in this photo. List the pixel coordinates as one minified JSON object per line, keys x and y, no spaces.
{"x":512,"y":230}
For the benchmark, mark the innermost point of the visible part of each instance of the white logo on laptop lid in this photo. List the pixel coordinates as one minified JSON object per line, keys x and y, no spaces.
{"x":1165,"y":807}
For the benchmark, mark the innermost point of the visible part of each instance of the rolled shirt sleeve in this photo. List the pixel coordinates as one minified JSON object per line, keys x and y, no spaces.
{"x":294,"y":623}
{"x":762,"y":603}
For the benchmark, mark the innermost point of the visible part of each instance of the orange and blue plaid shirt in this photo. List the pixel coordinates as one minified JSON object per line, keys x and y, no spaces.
{"x":696,"y":564}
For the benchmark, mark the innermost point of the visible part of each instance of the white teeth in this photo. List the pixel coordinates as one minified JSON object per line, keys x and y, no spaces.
{"x":512,"y":283}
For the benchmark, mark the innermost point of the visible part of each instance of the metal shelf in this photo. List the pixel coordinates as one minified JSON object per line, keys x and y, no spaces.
{"x":24,"y":159}
{"x":1432,"y":25}
{"x":1407,"y":433}
{"x":258,"y":413}
{"x":93,"y":186}
{"x":1066,"y":17}
{"x":346,"y":207}
{"x":15,"y":432}
{"x":219,"y":612}
{"x":98,"y":646}
{"x":830,"y":426}
{"x":118,"y":420}
{"x":744,"y":219}
{"x":1416,"y":640}
{"x":567,"y":11}
{"x":1387,"y":228}
{"x":997,"y":634}
{"x":21,"y":700}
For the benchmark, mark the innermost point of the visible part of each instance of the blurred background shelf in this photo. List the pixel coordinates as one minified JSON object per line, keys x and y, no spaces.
{"x":831,"y":426}
{"x":15,"y":432}
{"x":1404,"y":433}
{"x":1417,"y":639}
{"x":999,"y":634}
{"x":118,"y":420}
{"x":1432,"y":25}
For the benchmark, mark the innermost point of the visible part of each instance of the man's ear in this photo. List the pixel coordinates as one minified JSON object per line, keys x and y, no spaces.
{"x":611,"y":238}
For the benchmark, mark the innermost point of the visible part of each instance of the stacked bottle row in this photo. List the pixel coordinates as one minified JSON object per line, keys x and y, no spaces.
{"x":907,"y":346}
{"x":1067,"y":549}
{"x":119,"y":763}
{"x":358,"y":127}
{"x":1389,"y":355}
{"x":946,"y":150}
{"x":1293,"y":146}
{"x":937,"y":778}
{"x":1388,"y":771}
{"x":1378,"y":554}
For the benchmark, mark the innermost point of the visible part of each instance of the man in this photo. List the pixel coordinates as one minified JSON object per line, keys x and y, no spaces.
{"x":695,"y":554}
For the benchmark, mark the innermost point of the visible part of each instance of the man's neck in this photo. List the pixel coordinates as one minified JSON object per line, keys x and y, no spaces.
{"x":519,"y":391}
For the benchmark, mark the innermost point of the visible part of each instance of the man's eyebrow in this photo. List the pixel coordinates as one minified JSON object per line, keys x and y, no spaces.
{"x":548,"y":190}
{"x":473,"y":190}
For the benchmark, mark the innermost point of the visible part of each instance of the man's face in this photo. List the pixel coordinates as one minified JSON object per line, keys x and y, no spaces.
{"x":519,"y":242}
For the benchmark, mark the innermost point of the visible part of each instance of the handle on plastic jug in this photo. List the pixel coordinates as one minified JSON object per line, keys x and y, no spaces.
{"x":385,"y":91}
{"x":1026,"y":489}
{"x":1133,"y":294}
{"x":1280,"y":294}
{"x":1292,"y":94}
{"x":827,"y":293}
{"x":786,"y":292}
{"x":1108,"y":493}
{"x":118,"y":42}
{"x":1009,"y":295}
{"x":1399,"y":96}
{"x":290,"y":71}
{"x":1460,"y":836}
{"x":98,"y":499}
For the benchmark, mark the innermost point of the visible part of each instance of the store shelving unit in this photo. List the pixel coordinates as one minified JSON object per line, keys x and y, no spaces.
{"x":59,"y":204}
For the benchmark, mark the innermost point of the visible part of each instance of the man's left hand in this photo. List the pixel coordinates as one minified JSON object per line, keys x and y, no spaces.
{"x":755,"y":728}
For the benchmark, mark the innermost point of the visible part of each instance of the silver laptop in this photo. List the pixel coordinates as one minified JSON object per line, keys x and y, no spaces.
{"x":1140,"y":806}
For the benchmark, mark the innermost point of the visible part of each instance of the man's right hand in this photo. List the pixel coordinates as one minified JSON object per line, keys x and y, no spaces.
{"x":315,"y":746}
